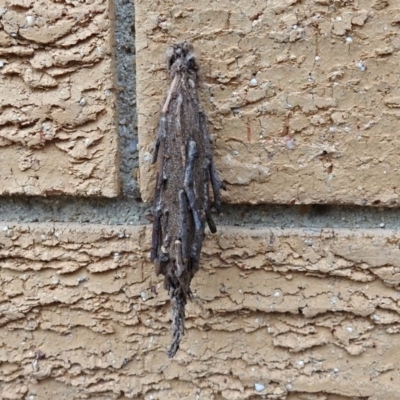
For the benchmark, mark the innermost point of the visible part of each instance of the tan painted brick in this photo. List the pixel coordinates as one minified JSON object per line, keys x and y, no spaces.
{"x":57,"y":103}
{"x":319,"y":122}
{"x":308,"y":314}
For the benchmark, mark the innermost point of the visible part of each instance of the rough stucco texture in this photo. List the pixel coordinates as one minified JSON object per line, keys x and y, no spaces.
{"x":284,"y":313}
{"x":302,"y":96}
{"x":57,"y":128}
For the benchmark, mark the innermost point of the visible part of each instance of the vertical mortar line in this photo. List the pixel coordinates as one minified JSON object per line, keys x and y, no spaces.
{"x":124,"y":34}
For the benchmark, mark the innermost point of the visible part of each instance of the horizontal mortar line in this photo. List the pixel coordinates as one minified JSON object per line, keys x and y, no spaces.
{"x":129,"y":211}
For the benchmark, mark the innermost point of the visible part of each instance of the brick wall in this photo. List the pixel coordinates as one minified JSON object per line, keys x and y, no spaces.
{"x":291,"y":302}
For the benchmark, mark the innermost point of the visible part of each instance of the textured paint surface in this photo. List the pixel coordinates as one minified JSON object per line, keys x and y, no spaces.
{"x":302,"y":96}
{"x":291,"y":314}
{"x":57,"y":128}
{"x":285,"y":313}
